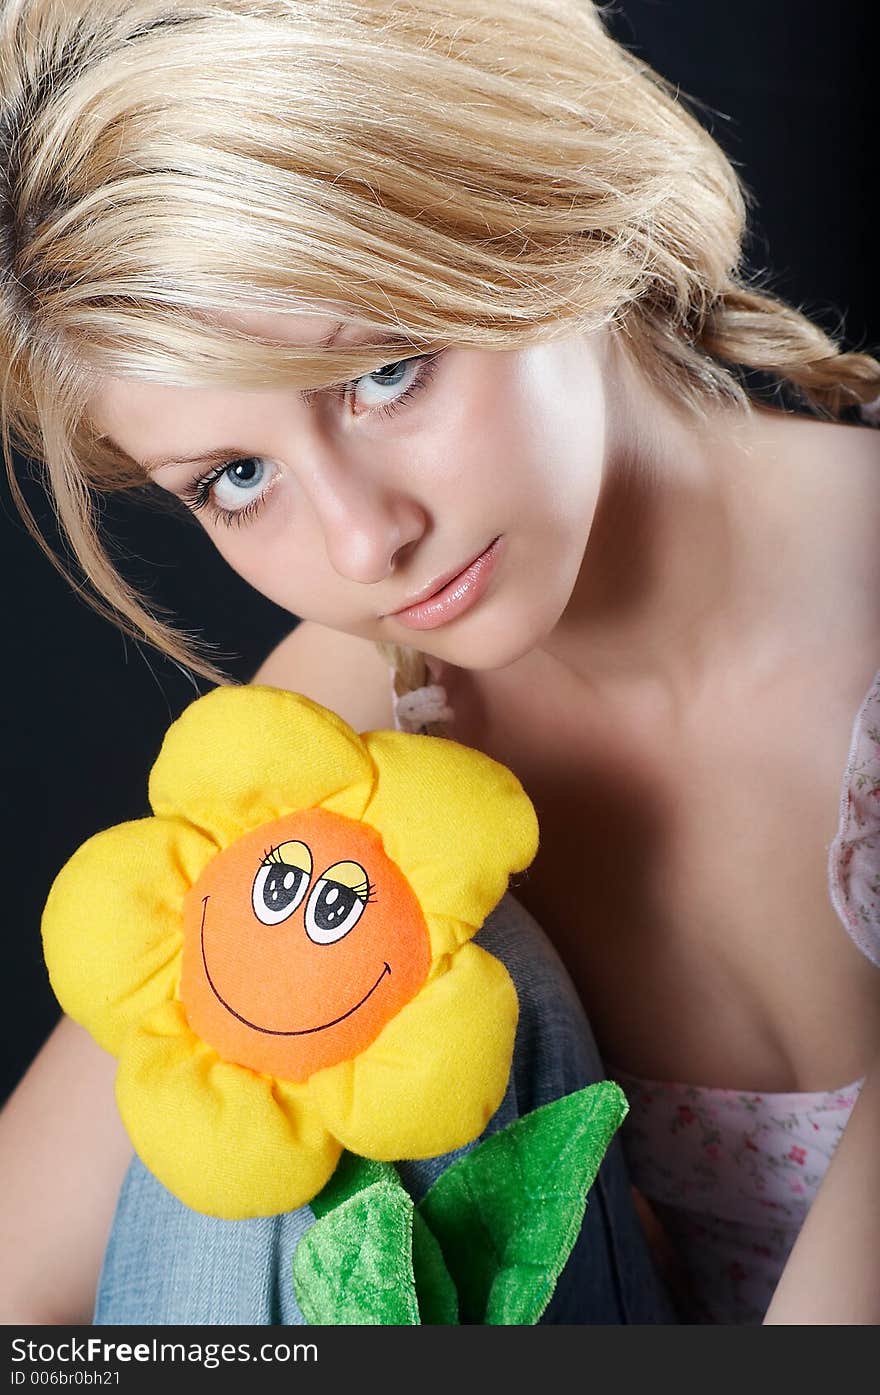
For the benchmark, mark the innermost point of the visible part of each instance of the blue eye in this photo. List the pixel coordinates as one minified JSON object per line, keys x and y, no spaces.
{"x":390,"y":374}
{"x":239,"y":483}
{"x":245,"y":472}
{"x":387,"y":384}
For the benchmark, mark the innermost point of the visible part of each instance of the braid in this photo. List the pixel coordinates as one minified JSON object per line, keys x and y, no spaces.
{"x":756,"y":330}
{"x":411,"y":673}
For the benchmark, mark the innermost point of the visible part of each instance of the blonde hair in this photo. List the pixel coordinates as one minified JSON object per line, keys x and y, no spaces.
{"x":453,"y":171}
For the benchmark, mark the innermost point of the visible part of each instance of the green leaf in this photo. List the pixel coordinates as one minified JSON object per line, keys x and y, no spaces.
{"x":351,"y":1176}
{"x":507,"y":1214}
{"x":438,"y":1300}
{"x":354,"y":1266}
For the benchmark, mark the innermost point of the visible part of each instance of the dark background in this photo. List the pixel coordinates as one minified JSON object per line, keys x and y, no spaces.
{"x":790,"y":86}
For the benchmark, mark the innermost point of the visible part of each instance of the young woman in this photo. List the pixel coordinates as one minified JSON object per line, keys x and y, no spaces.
{"x":432,"y":314}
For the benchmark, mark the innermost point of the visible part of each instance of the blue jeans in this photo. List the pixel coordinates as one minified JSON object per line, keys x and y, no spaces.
{"x":166,"y":1264}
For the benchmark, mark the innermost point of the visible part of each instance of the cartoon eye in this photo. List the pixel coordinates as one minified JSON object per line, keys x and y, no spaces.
{"x":337,"y":902}
{"x":282,"y":882}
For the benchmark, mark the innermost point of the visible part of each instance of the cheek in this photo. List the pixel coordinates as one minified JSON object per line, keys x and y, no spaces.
{"x":560,"y":424}
{"x":529,"y":446}
{"x":248,"y":545}
{"x":281,"y":554}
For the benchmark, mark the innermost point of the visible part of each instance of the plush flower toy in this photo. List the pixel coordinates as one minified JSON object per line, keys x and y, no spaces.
{"x":282,"y":960}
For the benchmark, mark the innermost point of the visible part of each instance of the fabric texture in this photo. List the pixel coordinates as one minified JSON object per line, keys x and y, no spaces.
{"x":256,"y":1036}
{"x":503,"y":1220}
{"x":854,"y":856}
{"x":731,"y":1176}
{"x":167,"y":1264}
{"x":435,"y":1291}
{"x":354,"y":1267}
{"x":507,"y":1214}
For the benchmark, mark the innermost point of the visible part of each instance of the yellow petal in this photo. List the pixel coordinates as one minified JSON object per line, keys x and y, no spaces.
{"x":241,"y":757}
{"x":446,"y":936}
{"x":224,"y":1140}
{"x":435,"y":1075}
{"x":456,"y":823}
{"x":112,"y":927}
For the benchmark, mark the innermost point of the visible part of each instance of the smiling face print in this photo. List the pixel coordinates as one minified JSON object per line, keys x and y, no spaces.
{"x":301,"y":941}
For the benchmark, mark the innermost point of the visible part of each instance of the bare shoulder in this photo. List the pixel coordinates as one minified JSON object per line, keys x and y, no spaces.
{"x":342,"y":672}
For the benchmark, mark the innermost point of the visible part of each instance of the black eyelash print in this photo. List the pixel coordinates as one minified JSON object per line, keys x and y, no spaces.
{"x":364,"y":891}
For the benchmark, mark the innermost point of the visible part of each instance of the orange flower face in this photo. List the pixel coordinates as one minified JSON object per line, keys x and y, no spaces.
{"x":302,"y":940}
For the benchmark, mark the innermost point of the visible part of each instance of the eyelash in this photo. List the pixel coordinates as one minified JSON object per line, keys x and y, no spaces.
{"x":198,"y":494}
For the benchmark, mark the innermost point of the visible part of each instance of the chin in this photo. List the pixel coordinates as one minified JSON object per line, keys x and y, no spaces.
{"x":487,"y":645}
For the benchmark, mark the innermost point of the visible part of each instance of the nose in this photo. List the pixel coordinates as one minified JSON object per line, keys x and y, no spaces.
{"x":369,"y":525}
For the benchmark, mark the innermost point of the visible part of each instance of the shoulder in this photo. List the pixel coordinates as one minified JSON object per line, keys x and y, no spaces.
{"x":340,"y":671}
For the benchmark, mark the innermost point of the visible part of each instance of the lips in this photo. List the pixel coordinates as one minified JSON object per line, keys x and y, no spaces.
{"x":453,"y":595}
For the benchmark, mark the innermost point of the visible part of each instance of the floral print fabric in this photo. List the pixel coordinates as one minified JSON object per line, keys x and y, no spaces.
{"x":854,"y":856}
{"x":730,"y":1176}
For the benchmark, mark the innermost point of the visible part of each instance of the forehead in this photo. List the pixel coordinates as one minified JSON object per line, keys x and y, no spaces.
{"x":151,"y":421}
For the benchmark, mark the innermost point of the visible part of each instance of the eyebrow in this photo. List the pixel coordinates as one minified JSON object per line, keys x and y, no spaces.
{"x":207,"y":457}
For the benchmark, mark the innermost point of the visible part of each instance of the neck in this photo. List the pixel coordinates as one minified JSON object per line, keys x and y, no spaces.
{"x":696,"y":554}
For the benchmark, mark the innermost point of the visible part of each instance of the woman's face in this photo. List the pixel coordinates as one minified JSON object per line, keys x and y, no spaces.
{"x":443,"y":504}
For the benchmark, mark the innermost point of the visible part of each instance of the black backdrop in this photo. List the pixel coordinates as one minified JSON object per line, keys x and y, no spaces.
{"x":790,"y":87}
